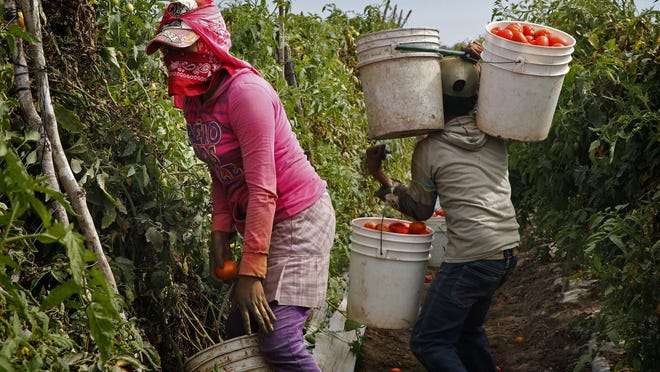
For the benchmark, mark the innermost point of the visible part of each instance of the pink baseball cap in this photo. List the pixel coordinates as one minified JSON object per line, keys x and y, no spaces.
{"x":177,"y":33}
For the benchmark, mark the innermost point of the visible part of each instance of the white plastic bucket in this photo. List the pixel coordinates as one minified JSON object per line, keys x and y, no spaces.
{"x":386,"y":275}
{"x":240,"y":354}
{"x":439,"y":243}
{"x":520,"y":85}
{"x":402,"y":88}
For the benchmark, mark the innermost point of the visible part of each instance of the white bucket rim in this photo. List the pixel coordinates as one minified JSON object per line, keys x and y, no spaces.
{"x":521,"y":66}
{"x":226,"y":347}
{"x":360,"y":221}
{"x":548,"y":60}
{"x":401,"y":32}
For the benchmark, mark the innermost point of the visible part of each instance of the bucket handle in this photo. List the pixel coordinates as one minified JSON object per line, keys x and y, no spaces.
{"x":443,"y":52}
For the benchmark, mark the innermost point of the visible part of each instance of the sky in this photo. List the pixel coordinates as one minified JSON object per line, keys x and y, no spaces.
{"x":456,"y":20}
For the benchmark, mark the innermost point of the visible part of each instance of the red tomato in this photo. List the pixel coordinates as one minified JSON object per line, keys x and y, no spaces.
{"x":506,"y":33}
{"x":557,"y":39}
{"x":519,"y":37}
{"x":382,"y":227}
{"x":495,"y":30}
{"x":528,"y":30}
{"x":370,"y":225}
{"x":439,"y":212}
{"x":428,"y":278}
{"x":228,"y":271}
{"x":417,"y":227}
{"x":542,"y":32}
{"x":514,"y":27}
{"x":399,"y":227}
{"x":529,"y":38}
{"x":395,"y":369}
{"x":541,"y":41}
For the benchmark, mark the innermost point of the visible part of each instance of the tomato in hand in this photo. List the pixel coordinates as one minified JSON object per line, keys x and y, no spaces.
{"x":399,"y":227}
{"x":228,"y":271}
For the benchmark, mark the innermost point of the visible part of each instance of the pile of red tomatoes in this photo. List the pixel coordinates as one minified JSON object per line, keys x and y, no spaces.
{"x":527,"y":34}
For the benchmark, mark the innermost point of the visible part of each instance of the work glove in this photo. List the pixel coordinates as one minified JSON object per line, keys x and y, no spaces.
{"x":473,"y":51}
{"x":220,"y":250}
{"x":250,"y":298}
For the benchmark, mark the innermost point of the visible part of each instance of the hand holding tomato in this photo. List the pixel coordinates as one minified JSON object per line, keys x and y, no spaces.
{"x":228,"y":271}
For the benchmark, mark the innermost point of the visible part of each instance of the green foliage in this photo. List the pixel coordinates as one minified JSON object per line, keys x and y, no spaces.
{"x":148,"y":194}
{"x":591,"y":187}
{"x":47,"y":307}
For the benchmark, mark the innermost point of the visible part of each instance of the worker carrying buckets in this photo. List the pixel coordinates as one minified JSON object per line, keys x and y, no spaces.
{"x":401,"y":72}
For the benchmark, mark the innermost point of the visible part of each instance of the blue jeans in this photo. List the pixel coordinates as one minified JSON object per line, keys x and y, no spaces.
{"x":449,"y":335}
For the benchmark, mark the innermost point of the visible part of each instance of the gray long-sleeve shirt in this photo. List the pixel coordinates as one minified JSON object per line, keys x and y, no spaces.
{"x":468,"y":170}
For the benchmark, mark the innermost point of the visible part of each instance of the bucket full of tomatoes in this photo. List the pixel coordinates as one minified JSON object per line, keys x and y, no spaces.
{"x":386,"y":271}
{"x":522,"y":73}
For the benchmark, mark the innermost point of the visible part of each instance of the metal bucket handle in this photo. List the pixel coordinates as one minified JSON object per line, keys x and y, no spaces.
{"x":443,"y":52}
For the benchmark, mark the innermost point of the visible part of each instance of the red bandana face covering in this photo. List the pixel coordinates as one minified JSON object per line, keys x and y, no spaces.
{"x":191,"y":73}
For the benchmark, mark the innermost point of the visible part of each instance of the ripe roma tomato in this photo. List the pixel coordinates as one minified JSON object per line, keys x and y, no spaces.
{"x":557,"y":39}
{"x":228,"y":271}
{"x":519,"y":37}
{"x":506,"y":33}
{"x":399,"y":227}
{"x":370,"y":225}
{"x":382,"y":227}
{"x":541,"y":41}
{"x":417,"y":227}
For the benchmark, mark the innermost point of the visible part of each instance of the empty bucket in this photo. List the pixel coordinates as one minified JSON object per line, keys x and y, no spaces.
{"x":402,"y":88}
{"x":386,"y":275}
{"x":240,"y":354}
{"x":520,"y":85}
{"x":439,"y":243}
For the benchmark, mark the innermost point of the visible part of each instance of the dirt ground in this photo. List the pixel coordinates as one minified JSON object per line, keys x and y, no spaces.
{"x":555,"y":334}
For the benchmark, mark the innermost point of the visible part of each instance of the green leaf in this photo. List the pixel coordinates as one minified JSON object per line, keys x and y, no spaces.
{"x":67,"y":119}
{"x":109,"y":55}
{"x":60,"y":293}
{"x":75,"y":251}
{"x":617,"y":241}
{"x":154,"y":237}
{"x":101,"y":326}
{"x":351,"y":325}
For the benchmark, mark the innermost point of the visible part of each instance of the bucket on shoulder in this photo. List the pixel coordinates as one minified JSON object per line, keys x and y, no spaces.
{"x":402,"y":88}
{"x":520,"y":85}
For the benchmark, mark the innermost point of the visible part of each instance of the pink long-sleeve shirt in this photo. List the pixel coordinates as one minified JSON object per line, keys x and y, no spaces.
{"x":259,"y":171}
